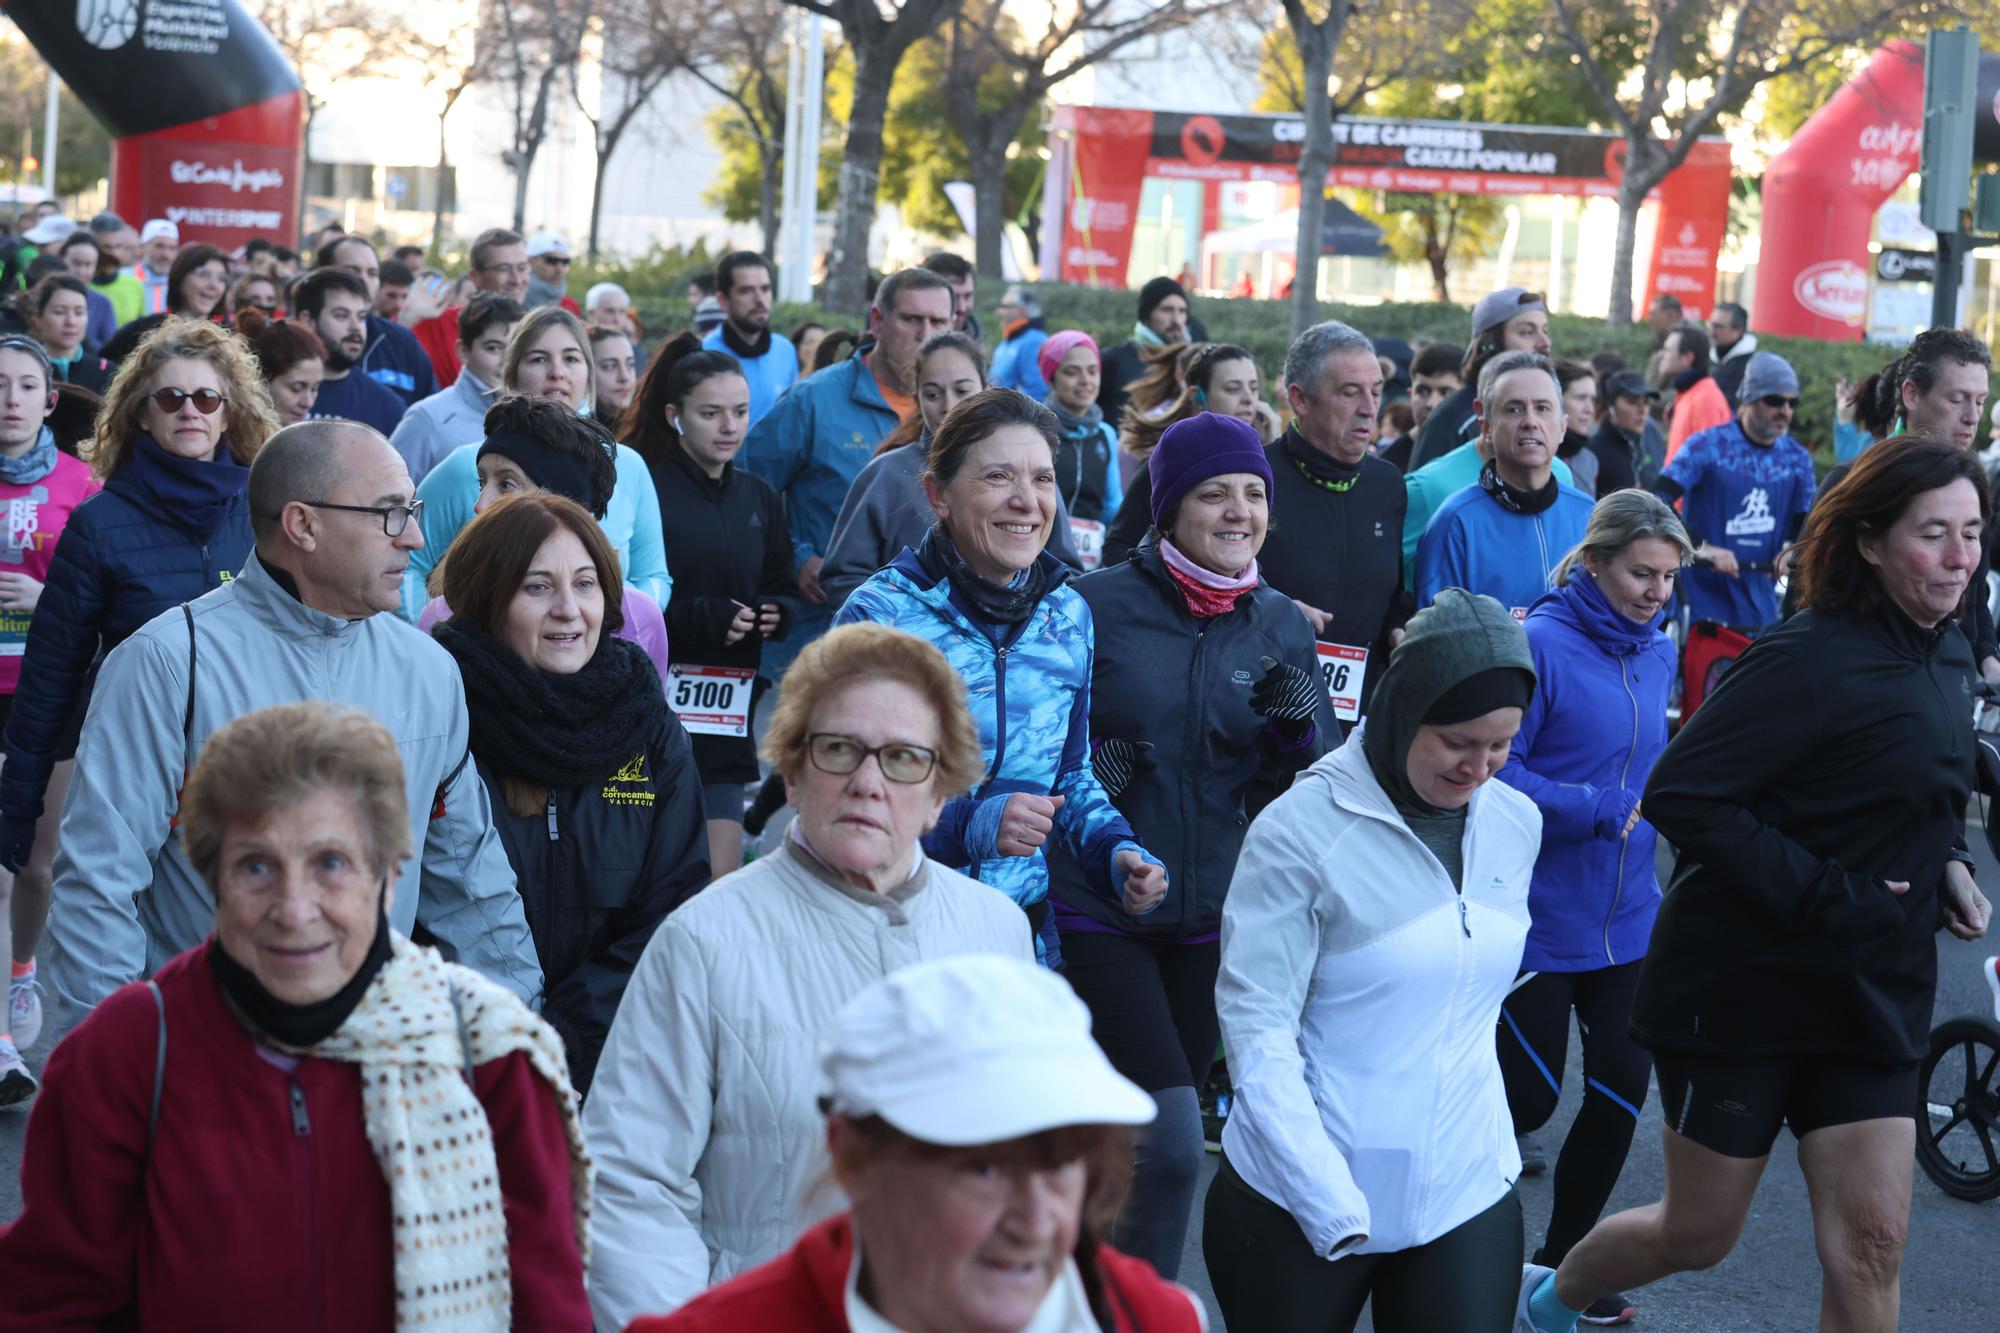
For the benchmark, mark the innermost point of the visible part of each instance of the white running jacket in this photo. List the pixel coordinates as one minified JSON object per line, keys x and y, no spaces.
{"x":1358,"y":995}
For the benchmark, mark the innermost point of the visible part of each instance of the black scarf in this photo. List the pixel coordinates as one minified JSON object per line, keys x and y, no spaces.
{"x":551,"y":730}
{"x":991,"y":602}
{"x":751,"y":350}
{"x":1319,"y":467}
{"x":1518,"y":502}
{"x":298,"y":1024}
{"x":1688,"y":378}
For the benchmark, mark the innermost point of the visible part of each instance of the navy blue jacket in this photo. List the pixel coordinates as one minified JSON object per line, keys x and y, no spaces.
{"x":1587,"y":744}
{"x":125,"y":557}
{"x":395,"y":360}
{"x":1182,"y":684}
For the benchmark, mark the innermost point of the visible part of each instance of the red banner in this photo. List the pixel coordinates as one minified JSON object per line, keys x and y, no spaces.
{"x":222,"y":180}
{"x":1113,"y":150}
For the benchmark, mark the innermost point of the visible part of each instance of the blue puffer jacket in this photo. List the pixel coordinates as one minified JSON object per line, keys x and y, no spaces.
{"x":1588,"y":742}
{"x":125,"y":557}
{"x":1031,"y":700}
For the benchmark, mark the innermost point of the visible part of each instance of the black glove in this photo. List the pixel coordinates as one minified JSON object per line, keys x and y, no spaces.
{"x":1286,"y":695}
{"x":17,"y":842}
{"x":1117,"y":762}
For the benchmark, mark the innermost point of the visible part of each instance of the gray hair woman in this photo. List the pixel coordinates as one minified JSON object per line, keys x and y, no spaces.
{"x":702,"y":1116}
{"x":357,"y":1124}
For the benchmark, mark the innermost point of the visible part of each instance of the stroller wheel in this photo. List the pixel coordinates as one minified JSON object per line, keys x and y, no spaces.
{"x":1958,"y":1110}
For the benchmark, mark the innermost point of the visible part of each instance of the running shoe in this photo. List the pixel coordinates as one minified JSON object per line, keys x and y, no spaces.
{"x":1607,"y":1311}
{"x":1531,"y":1280}
{"x":1991,"y":971}
{"x":1534,"y":1161}
{"x":24,"y":1011}
{"x":16,"y":1083}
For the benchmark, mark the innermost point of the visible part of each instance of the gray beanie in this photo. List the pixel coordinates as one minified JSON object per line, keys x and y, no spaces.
{"x":1768,"y":375}
{"x":1456,"y":637}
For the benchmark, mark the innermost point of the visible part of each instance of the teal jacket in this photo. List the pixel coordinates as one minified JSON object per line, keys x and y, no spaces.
{"x":1030,"y":696}
{"x":814,"y":442}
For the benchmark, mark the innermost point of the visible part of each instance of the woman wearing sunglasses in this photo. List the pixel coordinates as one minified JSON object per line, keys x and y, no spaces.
{"x":704,"y":1119}
{"x":185,"y":415}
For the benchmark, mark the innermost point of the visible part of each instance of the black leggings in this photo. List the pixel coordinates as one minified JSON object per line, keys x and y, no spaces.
{"x":1267,"y":1278}
{"x":1534,"y":1039}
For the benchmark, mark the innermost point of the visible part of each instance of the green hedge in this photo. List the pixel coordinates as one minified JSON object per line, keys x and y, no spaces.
{"x":1261,"y":326}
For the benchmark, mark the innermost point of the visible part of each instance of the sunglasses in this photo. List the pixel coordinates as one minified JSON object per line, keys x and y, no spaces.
{"x":1779,"y":400}
{"x":205,"y":401}
{"x":560,"y":261}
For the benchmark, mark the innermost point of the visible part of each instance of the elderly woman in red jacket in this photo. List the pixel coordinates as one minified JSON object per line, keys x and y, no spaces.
{"x":308,"y":1120}
{"x":981,"y":1137}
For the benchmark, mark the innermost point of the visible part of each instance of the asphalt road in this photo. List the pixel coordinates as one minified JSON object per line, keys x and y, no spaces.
{"x":1951,"y":1271}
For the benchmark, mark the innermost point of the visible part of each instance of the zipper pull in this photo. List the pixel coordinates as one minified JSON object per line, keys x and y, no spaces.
{"x":1464,"y":923}
{"x":300,"y":1125}
{"x":553,"y":835}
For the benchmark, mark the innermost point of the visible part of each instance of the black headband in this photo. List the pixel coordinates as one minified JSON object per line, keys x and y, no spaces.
{"x":1479,"y":694}
{"x":565,"y":474}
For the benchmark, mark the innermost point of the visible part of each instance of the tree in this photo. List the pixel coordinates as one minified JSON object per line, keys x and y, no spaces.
{"x":1381,"y":44}
{"x":745,"y":68}
{"x":532,"y":45}
{"x":641,"y":43}
{"x":1688,"y":64}
{"x":877,"y":35}
{"x":83,"y":145}
{"x":999,"y":66}
{"x":328,"y":41}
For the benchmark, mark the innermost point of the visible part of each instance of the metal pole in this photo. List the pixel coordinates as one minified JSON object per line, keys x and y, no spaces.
{"x":809,"y":125}
{"x":795,"y":286}
{"x":1944,"y":288}
{"x":49,"y":119}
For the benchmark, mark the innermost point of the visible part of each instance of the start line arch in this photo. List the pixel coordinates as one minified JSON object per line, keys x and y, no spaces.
{"x":1102,"y":156}
{"x":206,"y":113}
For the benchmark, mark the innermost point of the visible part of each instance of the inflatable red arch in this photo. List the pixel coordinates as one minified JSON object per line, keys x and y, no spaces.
{"x":207,"y":115}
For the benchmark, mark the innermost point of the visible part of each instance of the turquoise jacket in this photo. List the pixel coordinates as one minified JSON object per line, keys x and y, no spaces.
{"x":1030,"y":696}
{"x":814,"y":442}
{"x":631,"y":522}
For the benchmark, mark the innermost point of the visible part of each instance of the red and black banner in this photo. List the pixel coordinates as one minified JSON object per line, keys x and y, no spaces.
{"x":206,"y":112}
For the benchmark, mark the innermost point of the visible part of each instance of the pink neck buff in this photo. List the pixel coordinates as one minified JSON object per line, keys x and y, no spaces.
{"x":1208,"y":593}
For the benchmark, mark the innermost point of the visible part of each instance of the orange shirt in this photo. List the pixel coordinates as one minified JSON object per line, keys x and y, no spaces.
{"x":902,"y":404}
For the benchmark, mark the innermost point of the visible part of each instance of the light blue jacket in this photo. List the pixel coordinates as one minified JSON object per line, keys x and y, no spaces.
{"x":631,"y":522}
{"x":813,"y":444}
{"x":769,"y":375}
{"x":1017,"y":363}
{"x":1031,"y":701}
{"x":436,"y":425}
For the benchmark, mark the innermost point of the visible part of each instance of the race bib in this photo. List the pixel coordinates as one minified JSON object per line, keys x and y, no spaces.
{"x":1088,"y":535}
{"x":711,"y":701}
{"x":1343,"y":669}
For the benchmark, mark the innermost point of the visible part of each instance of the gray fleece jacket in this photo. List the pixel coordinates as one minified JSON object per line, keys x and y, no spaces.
{"x":127,"y":899}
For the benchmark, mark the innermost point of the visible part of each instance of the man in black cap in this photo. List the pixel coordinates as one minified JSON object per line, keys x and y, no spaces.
{"x":1629,"y":445}
{"x":1163,"y":322}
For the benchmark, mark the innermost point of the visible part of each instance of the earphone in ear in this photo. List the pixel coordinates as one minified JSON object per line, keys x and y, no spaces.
{"x":677,"y":427}
{"x":1200,"y":396}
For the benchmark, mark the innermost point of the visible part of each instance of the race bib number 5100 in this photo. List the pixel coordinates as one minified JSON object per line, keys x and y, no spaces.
{"x":711,"y":701}
{"x":1343,"y":669}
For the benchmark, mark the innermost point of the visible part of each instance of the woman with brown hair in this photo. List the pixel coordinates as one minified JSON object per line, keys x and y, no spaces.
{"x":590,"y":776}
{"x":1818,"y":803}
{"x":982,"y":1139}
{"x":292,"y":358}
{"x":196,"y":284}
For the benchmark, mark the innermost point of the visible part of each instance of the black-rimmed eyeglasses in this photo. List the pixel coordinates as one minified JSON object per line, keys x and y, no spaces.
{"x":840,"y":755}
{"x":394,"y":518}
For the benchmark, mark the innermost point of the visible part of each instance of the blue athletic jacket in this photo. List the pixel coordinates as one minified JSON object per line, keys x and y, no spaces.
{"x":1475,"y":543}
{"x":813,"y":443}
{"x":1588,"y":742}
{"x":1031,"y":700}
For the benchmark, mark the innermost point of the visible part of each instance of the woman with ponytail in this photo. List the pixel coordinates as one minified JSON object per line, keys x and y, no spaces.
{"x":736,"y":590}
